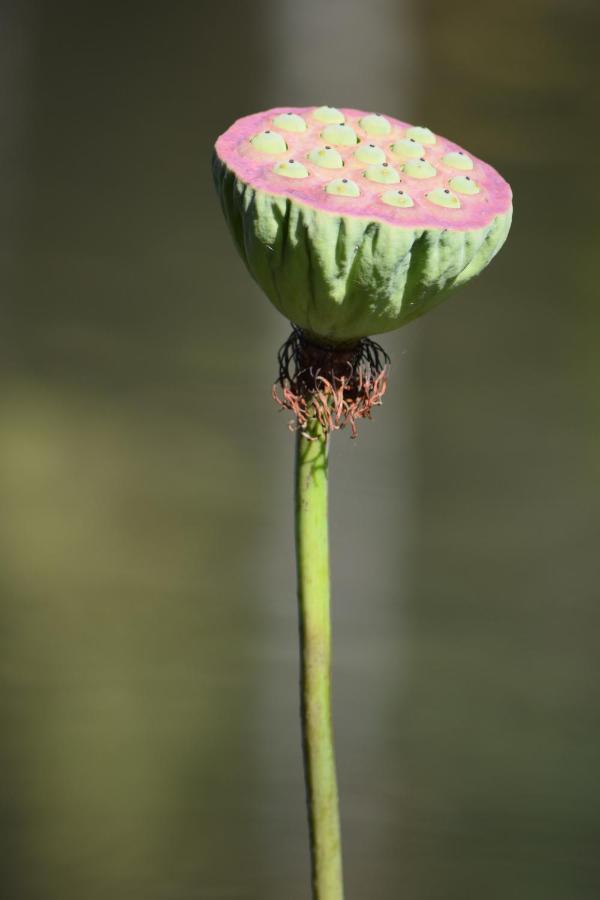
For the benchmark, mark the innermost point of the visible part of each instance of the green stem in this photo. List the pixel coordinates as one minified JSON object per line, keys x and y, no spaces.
{"x":312,"y":554}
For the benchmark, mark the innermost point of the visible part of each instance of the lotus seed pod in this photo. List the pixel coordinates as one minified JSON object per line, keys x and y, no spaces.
{"x":342,"y":135}
{"x":419,"y":168}
{"x":268,"y":142}
{"x":375,"y":124}
{"x":289,"y":122}
{"x":458,"y":160}
{"x":408,"y":148}
{"x":423,"y":135}
{"x":344,"y":258}
{"x":326,"y":157}
{"x":328,"y":114}
{"x":370,"y":154}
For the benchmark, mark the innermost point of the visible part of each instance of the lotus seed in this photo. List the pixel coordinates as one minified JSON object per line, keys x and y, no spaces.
{"x":443,"y":198}
{"x":375,"y":124}
{"x":399,"y":199}
{"x":383,"y":174}
{"x":462,"y":184}
{"x":329,"y":114}
{"x":291,"y":169}
{"x":423,"y":135}
{"x":418,"y":168}
{"x":408,"y":149}
{"x":343,"y":187}
{"x":326,"y":157}
{"x":339,"y":135}
{"x":290,"y":122}
{"x":268,"y":142}
{"x":369,"y":154}
{"x":457,"y":160}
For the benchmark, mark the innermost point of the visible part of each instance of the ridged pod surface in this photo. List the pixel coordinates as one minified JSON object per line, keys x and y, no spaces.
{"x":354,"y":223}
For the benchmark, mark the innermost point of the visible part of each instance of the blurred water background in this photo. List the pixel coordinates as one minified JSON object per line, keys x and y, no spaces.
{"x":149,"y":736}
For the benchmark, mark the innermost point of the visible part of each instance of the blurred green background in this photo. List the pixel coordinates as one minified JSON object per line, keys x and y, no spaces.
{"x":149,"y":736}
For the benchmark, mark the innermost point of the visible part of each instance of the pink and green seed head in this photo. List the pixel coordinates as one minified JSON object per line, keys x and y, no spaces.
{"x":419,"y":192}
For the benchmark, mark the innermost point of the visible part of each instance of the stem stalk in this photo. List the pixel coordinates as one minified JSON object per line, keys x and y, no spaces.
{"x":312,"y":553}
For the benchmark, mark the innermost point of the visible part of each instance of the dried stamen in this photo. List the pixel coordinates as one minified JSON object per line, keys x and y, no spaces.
{"x":337,"y":385}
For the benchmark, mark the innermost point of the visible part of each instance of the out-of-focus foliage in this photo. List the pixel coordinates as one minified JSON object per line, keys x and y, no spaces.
{"x":149,"y":741}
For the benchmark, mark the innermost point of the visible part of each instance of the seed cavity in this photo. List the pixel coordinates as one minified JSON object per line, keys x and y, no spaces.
{"x":339,"y":135}
{"x":329,"y":114}
{"x":326,"y":157}
{"x":443,"y":197}
{"x":375,"y":124}
{"x":291,"y":169}
{"x":343,"y":187}
{"x":458,"y":160}
{"x":268,"y":142}
{"x":421,"y":134}
{"x":400,"y":199}
{"x":408,"y":149}
{"x":462,"y":184}
{"x":418,"y":168}
{"x":383,"y":174}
